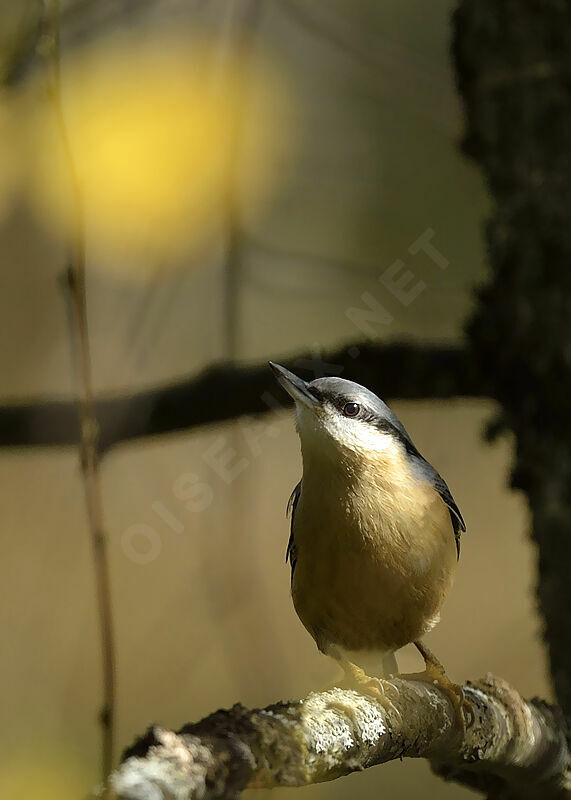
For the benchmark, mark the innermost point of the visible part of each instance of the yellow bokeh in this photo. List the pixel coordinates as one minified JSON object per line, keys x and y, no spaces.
{"x":155,"y":133}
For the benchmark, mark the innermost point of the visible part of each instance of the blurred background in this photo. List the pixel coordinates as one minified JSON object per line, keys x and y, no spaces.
{"x":251,"y":173}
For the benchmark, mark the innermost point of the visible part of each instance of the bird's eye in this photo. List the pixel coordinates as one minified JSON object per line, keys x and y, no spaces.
{"x":351,"y":409}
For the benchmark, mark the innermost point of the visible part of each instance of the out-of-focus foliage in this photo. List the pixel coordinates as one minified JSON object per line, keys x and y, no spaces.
{"x":10,"y":164}
{"x":155,"y":131}
{"x":38,"y":772}
{"x":19,"y":26}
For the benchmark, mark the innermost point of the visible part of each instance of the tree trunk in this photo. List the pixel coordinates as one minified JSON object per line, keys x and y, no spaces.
{"x":513,"y":61}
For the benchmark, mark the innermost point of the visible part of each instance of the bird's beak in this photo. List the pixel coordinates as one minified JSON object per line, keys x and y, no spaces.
{"x":294,"y":386}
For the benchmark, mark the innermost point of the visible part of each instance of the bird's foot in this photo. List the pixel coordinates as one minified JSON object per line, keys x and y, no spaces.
{"x":435,"y":673}
{"x":453,"y":691}
{"x":379,"y":689}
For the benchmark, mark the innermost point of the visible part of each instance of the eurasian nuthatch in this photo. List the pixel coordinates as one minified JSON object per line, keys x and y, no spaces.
{"x":375,"y":532}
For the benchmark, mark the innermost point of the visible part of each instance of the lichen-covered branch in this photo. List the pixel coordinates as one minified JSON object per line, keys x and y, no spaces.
{"x":514,"y":748}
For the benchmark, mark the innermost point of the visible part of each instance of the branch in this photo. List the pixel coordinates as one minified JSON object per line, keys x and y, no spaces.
{"x":515,"y":747}
{"x":224,"y":392}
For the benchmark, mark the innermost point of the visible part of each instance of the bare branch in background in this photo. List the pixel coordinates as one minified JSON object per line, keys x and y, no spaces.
{"x":224,"y":392}
{"x":88,"y":430}
{"x":514,"y":749}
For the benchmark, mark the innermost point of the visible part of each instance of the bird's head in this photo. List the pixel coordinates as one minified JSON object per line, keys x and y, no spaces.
{"x":336,"y":418}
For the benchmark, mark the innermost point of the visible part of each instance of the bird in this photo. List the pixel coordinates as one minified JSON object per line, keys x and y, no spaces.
{"x":374,"y":537}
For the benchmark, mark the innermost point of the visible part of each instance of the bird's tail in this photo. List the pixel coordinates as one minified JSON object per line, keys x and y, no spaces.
{"x":389,"y":665}
{"x":373,"y":662}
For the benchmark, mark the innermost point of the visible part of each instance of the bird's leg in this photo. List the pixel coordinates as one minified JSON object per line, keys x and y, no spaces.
{"x":356,"y":678}
{"x":434,"y":673}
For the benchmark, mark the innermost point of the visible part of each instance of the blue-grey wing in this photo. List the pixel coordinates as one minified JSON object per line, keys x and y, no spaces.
{"x":430,"y":474}
{"x":458,"y":523}
{"x":291,"y":553}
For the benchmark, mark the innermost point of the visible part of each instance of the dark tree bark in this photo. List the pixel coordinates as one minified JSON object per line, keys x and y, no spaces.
{"x":513,"y":61}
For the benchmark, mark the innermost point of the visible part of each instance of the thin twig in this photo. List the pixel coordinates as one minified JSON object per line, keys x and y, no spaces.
{"x":88,"y":429}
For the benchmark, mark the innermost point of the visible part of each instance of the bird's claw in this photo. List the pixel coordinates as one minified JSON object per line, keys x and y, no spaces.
{"x":380,"y":689}
{"x":462,"y":708}
{"x":435,"y":675}
{"x":455,"y":692}
{"x":464,"y":711}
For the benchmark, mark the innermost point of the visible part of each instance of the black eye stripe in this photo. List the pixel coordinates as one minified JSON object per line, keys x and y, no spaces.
{"x":315,"y":392}
{"x":385,"y":426}
{"x":366,"y":414}
{"x":381,"y":425}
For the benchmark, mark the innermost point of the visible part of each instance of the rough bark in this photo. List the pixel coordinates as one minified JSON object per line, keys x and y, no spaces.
{"x":514,"y":748}
{"x":225,"y":392}
{"x":513,"y":61}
